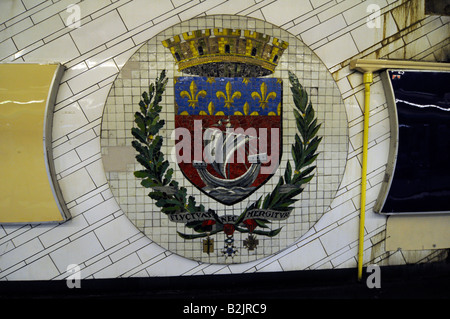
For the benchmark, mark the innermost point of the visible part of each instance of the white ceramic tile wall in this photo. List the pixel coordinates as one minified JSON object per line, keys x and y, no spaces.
{"x":95,"y":47}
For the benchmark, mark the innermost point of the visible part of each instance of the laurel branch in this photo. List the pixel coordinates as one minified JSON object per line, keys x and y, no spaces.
{"x":173,"y":199}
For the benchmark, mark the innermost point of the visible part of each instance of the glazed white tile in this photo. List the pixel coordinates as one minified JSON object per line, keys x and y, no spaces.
{"x":26,"y":14}
{"x":150,"y":32}
{"x":111,"y":52}
{"x":20,"y":254}
{"x":366,"y":36}
{"x":52,"y":10}
{"x":347,"y":233}
{"x":98,"y":31}
{"x":173,"y":265}
{"x":119,"y":267}
{"x":92,"y":104}
{"x":304,"y":26}
{"x":41,"y":269}
{"x":76,"y":184}
{"x":352,"y":172}
{"x":29,"y":234}
{"x":136,"y":243}
{"x":85,"y":247}
{"x":338,"y":211}
{"x":38,"y":31}
{"x":98,"y":211}
{"x":284,"y":11}
{"x":60,"y":50}
{"x":428,"y":25}
{"x":319,"y":3}
{"x":416,"y":47}
{"x":9,"y":9}
{"x":198,"y":9}
{"x":269,"y":266}
{"x":15,"y":29}
{"x":66,"y":161}
{"x":139,"y":12}
{"x":84,"y":8}
{"x":94,"y":267}
{"x":93,"y":76}
{"x":294,"y":260}
{"x":96,"y":171}
{"x":344,"y":86}
{"x":169,"y":15}
{"x":121,"y":227}
{"x":73,"y":143}
{"x":68,"y":119}
{"x":371,"y":197}
{"x":7,"y":48}
{"x":377,"y":155}
{"x":64,"y":93}
{"x":439,"y":34}
{"x":323,"y":30}
{"x":337,"y":50}
{"x":374,"y":223}
{"x":106,"y":38}
{"x":361,"y":11}
{"x":59,"y":234}
{"x":149,"y":252}
{"x":31,"y":3}
{"x":231,"y":7}
{"x":76,"y":167}
{"x":335,"y":9}
{"x":88,"y":149}
{"x":91,"y":202}
{"x":122,"y":58}
{"x":377,"y":129}
{"x":73,"y":70}
{"x":178,"y":3}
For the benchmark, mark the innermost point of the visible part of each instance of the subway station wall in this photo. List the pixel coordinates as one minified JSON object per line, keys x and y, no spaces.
{"x":103,"y":44}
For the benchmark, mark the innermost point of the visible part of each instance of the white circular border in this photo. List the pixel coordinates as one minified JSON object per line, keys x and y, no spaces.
{"x":142,"y":69}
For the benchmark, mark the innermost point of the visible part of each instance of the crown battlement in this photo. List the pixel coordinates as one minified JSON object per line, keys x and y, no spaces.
{"x":226,"y":52}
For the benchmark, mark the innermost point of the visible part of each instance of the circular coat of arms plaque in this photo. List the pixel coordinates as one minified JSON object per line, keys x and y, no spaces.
{"x":224,"y":139}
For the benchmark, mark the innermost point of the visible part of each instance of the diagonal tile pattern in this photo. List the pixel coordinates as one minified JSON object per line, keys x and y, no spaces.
{"x":99,"y":237}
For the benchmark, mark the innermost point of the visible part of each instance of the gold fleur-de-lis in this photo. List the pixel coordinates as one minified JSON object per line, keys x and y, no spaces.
{"x":245,"y":109}
{"x":228,"y":98}
{"x":193,"y":95}
{"x":263,"y":97}
{"x":211,"y":110}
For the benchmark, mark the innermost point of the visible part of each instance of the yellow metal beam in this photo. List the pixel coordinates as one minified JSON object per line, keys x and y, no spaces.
{"x":367,"y":79}
{"x":374,"y":65}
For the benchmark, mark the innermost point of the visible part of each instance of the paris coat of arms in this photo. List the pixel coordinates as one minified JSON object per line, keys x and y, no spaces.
{"x":228,"y":130}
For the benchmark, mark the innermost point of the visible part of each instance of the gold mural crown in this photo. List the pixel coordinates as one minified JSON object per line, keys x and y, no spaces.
{"x":202,"y":53}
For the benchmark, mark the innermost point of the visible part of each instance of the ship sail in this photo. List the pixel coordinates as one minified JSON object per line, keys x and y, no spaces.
{"x":219,"y":151}
{"x":222,"y":146}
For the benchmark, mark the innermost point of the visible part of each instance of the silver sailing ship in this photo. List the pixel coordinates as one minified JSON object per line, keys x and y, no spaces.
{"x":220,"y":152}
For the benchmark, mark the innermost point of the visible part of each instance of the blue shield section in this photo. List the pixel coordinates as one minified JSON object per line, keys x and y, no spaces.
{"x":228,"y":96}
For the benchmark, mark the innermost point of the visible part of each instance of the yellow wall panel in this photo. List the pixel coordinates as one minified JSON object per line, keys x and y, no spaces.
{"x":418,"y":232}
{"x":28,"y":191}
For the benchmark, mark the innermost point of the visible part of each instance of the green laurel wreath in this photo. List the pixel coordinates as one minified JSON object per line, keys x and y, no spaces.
{"x":173,"y":199}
